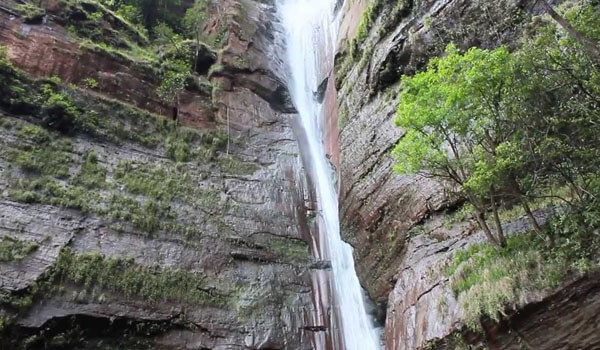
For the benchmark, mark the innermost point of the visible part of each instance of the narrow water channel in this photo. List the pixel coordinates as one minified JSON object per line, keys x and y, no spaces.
{"x":311,"y":35}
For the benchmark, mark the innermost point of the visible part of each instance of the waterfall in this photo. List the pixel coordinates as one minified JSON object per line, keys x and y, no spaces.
{"x":311,"y":35}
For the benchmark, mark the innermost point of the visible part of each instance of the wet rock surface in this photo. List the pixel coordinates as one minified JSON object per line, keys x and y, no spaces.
{"x":383,"y":214}
{"x":250,"y":234}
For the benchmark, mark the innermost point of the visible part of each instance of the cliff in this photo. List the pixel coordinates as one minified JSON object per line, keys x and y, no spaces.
{"x":128,"y":220}
{"x":405,"y":229}
{"x":122,"y":228}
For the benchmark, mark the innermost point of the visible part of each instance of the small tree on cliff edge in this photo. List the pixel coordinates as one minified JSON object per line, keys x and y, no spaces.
{"x":461,"y":118}
{"x":172,"y":84}
{"x":194,"y":20}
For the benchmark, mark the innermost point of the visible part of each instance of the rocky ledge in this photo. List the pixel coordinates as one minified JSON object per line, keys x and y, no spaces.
{"x":404,"y":228}
{"x":122,"y":228}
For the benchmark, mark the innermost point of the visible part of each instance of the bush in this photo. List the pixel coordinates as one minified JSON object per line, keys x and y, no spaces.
{"x":31,"y":14}
{"x":60,"y":114}
{"x":92,"y":175}
{"x":488,"y":281}
{"x":12,"y":249}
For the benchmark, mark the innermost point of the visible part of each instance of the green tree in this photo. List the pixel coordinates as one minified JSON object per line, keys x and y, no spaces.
{"x":194,"y":20}
{"x":563,"y":112}
{"x":151,"y":12}
{"x":173,"y":82}
{"x":461,"y":119}
{"x":165,"y":35}
{"x":590,"y":46}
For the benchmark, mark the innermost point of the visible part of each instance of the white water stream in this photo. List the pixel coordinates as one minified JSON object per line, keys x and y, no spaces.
{"x":311,"y":35}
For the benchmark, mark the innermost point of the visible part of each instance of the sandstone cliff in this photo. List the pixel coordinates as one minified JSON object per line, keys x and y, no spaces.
{"x":401,"y":226}
{"x":140,"y":232}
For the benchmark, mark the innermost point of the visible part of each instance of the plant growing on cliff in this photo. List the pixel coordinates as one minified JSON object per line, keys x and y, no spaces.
{"x":194,"y":22}
{"x":173,"y":82}
{"x":13,"y":249}
{"x":461,"y":118}
{"x":366,"y":23}
{"x":124,"y":276}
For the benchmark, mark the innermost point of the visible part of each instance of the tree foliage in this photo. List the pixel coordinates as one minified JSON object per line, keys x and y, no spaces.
{"x":149,"y":12}
{"x":173,"y":82}
{"x":194,"y":19}
{"x":506,"y":127}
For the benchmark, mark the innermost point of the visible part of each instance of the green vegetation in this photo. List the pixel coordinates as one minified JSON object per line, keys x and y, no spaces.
{"x":162,"y":183}
{"x":153,"y":284}
{"x":12,"y":249}
{"x":288,"y":250}
{"x":488,"y":281}
{"x":51,"y":172}
{"x":31,"y":13}
{"x":391,"y":15}
{"x":149,"y":217}
{"x":364,"y":27}
{"x":90,"y":83}
{"x":92,"y":174}
{"x":47,"y":190}
{"x":185,"y":144}
{"x":15,"y":302}
{"x":502,"y":126}
{"x":149,"y":192}
{"x":90,"y":19}
{"x":140,"y":34}
{"x":194,"y":20}
{"x":171,"y":86}
{"x":44,"y":156}
{"x":231,"y":164}
{"x":72,"y":111}
{"x":513,"y":131}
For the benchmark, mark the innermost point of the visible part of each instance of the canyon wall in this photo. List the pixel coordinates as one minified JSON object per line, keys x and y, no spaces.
{"x":136,"y":232}
{"x":226,"y":256}
{"x":401,"y":226}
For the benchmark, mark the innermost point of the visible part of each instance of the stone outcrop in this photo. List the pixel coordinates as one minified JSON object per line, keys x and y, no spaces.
{"x":396,"y":222}
{"x":45,"y":50}
{"x":248,"y":227}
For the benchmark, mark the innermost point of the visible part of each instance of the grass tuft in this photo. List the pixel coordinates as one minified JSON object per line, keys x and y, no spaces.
{"x":153,"y":284}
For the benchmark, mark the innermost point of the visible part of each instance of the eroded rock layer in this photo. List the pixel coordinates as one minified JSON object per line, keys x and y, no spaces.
{"x":155,"y":237}
{"x":399,"y":225}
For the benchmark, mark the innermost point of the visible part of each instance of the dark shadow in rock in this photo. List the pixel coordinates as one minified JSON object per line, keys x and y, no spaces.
{"x":205,"y":58}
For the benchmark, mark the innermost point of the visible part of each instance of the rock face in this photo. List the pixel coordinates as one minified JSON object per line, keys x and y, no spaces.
{"x":240,"y":226}
{"x":380,"y":206}
{"x":396,"y":222}
{"x":47,"y":50}
{"x":236,"y":229}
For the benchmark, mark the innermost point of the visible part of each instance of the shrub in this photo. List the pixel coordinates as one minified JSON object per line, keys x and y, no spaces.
{"x":60,"y":114}
{"x":12,"y":249}
{"x":90,"y":83}
{"x":92,"y":174}
{"x":31,"y":14}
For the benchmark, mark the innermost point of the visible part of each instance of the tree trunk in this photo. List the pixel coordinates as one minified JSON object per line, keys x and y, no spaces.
{"x":480,"y":216}
{"x":497,"y":221}
{"x":531,"y":217}
{"x":519,"y":195}
{"x":590,"y":47}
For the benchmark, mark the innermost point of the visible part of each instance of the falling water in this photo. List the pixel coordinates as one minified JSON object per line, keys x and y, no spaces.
{"x":311,"y":34}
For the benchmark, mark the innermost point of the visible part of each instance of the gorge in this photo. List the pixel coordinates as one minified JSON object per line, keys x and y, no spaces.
{"x":311,"y":28}
{"x":225,"y":175}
